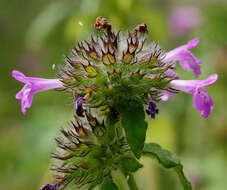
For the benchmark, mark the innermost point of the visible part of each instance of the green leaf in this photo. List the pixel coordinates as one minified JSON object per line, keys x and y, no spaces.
{"x":168,"y":160}
{"x":133,"y":121}
{"x":108,"y":184}
{"x":129,"y":164}
{"x":165,"y":157}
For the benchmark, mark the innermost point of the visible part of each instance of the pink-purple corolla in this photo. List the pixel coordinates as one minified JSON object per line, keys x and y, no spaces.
{"x":32,"y":86}
{"x":186,"y":59}
{"x":202,"y":101}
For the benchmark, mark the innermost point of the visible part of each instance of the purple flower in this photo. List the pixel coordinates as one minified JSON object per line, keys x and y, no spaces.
{"x":32,"y":86}
{"x":187,"y":60}
{"x":202,"y":100}
{"x":166,"y":95}
{"x":171,"y":73}
{"x":184,"y":19}
{"x":152,"y":108}
{"x":50,"y":187}
{"x":79,"y":106}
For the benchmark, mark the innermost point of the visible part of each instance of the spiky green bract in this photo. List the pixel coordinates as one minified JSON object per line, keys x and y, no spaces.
{"x":89,"y":150}
{"x":167,"y":160}
{"x":116,"y":68}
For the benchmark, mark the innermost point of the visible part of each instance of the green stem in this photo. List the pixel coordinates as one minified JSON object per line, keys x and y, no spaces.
{"x":120,"y":179}
{"x":132,"y":183}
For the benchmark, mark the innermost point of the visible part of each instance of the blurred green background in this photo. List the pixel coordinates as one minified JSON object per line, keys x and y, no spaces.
{"x":34,"y":36}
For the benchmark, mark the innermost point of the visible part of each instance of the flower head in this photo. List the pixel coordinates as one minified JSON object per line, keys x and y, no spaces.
{"x":84,"y":156}
{"x":187,"y":60}
{"x":202,"y":100}
{"x":32,"y":86}
{"x":116,"y":68}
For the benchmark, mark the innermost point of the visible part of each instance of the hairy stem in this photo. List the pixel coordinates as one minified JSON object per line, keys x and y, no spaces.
{"x":132,"y":183}
{"x":120,"y":180}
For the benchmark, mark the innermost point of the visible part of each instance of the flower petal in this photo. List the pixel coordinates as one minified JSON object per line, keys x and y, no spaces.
{"x":19,"y":76}
{"x":193,"y":43}
{"x":187,"y":60}
{"x":165,"y":95}
{"x":203,"y":102}
{"x":189,"y":86}
{"x":26,"y":97}
{"x":171,"y":73}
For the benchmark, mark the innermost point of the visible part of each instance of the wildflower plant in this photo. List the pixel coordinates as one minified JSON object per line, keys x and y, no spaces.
{"x":116,"y":79}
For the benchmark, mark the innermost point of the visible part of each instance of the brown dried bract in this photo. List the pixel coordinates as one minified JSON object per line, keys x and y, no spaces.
{"x":140,"y":28}
{"x":101,"y":23}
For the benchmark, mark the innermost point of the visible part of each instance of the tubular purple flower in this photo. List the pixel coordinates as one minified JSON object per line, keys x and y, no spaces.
{"x":50,"y":187}
{"x":171,"y":73}
{"x":202,"y":100}
{"x":152,"y":108}
{"x":79,"y":106}
{"x":187,"y":60}
{"x":165,"y":95}
{"x":32,"y":86}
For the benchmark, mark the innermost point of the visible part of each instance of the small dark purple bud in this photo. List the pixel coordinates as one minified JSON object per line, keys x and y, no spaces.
{"x":50,"y":187}
{"x":79,"y":107}
{"x":152,"y":108}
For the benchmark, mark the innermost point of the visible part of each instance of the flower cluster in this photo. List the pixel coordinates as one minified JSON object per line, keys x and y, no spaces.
{"x":115,"y":63}
{"x":82,"y":146}
{"x":112,"y":76}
